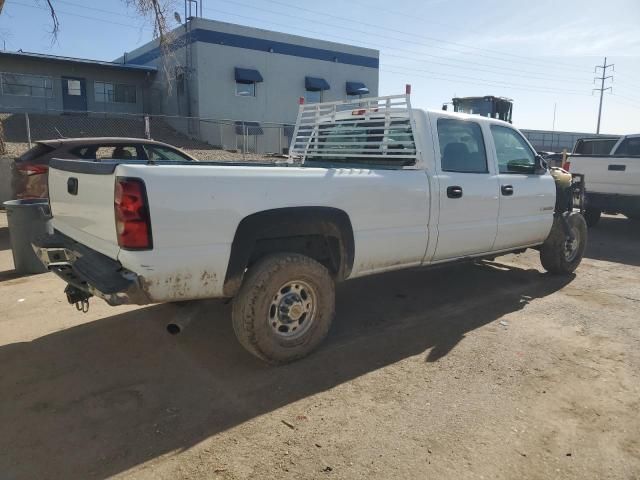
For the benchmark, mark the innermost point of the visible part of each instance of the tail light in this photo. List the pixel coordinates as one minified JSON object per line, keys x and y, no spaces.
{"x":133,"y":226}
{"x":32,"y":169}
{"x":566,"y":165}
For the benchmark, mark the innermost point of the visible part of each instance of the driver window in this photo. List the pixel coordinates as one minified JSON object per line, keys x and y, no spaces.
{"x":514,"y":155}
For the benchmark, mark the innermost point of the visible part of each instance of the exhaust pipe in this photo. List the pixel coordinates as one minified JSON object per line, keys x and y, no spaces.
{"x":178,"y":326}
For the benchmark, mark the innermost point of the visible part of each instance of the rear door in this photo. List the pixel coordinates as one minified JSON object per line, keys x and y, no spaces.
{"x":468,"y":187}
{"x":527,"y":199}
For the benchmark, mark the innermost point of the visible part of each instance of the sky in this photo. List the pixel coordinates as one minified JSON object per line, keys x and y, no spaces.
{"x":540,"y":53}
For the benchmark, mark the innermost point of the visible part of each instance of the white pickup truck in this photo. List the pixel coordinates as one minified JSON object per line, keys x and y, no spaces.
{"x":370,"y":186}
{"x":612,"y":180}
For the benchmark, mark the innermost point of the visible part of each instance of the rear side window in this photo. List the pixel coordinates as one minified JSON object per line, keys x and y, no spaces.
{"x":32,"y":155}
{"x":629,"y":146}
{"x":595,"y":147}
{"x":462,"y":146}
{"x":109,"y":152}
{"x":157,"y":153}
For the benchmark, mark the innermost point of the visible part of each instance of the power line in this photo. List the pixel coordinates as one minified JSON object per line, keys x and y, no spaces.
{"x":466,"y":64}
{"x":379,"y":35}
{"x":492,"y":84}
{"x":86,"y":17}
{"x":537,"y":63}
{"x":602,"y":88}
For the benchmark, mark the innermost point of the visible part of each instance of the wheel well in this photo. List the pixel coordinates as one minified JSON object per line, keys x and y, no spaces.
{"x":322,"y":233}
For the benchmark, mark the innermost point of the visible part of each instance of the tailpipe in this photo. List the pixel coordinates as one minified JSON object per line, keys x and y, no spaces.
{"x":178,"y":326}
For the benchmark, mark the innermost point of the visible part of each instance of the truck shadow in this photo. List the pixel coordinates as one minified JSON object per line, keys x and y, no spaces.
{"x":615,"y":239}
{"x":103,"y":397}
{"x":5,"y":242}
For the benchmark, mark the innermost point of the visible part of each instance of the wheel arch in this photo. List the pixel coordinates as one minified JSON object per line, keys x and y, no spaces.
{"x":313,"y":231}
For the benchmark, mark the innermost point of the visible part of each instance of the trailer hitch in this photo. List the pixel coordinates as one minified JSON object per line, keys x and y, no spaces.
{"x":78,"y":297}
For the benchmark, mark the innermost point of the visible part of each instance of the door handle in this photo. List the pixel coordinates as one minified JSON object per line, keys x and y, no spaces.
{"x":454,"y":191}
{"x":617,"y":168}
{"x":72,"y":185}
{"x":506,"y":190}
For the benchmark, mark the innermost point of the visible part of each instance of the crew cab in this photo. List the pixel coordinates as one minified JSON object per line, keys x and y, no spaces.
{"x":370,"y":186}
{"x":612,"y":179}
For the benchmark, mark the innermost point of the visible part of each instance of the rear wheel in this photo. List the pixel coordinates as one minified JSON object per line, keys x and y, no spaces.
{"x":284,"y":308}
{"x":592,"y":216}
{"x":559,"y":253}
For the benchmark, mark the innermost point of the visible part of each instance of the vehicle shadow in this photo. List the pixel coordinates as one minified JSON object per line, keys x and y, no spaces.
{"x":5,"y":242}
{"x":615,"y":239}
{"x":106,"y":396}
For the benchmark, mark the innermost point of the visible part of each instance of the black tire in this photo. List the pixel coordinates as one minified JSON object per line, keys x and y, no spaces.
{"x":556,"y":255}
{"x":279,"y":294}
{"x":592,"y":216}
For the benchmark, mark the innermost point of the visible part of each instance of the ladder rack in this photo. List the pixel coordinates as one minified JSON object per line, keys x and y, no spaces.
{"x":374,"y":130}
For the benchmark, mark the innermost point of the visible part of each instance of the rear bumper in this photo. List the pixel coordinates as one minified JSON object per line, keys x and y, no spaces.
{"x":613,"y":203}
{"x":89,"y":271}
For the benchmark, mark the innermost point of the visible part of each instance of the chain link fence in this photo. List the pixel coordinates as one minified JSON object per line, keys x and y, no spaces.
{"x":204,"y":138}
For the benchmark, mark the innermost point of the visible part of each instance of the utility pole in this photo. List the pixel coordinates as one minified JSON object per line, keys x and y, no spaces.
{"x":602,"y":89}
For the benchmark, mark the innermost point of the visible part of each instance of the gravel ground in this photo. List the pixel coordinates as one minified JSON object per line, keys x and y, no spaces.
{"x":490,"y":370}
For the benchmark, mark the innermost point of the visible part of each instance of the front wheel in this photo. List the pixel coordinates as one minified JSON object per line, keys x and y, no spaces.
{"x":284,"y":308}
{"x":559,"y":253}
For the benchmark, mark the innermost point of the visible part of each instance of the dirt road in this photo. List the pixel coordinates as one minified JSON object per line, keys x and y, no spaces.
{"x":493,"y":370}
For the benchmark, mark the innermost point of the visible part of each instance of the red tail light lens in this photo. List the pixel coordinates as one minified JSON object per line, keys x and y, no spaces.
{"x":33,"y":169}
{"x":566,"y":166}
{"x":133,"y":225}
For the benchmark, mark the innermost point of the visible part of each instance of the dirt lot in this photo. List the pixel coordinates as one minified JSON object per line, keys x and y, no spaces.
{"x":493,"y":370}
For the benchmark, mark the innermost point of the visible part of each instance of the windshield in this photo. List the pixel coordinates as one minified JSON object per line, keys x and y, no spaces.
{"x":355,"y":141}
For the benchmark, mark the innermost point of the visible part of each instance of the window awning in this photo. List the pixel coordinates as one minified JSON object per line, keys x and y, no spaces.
{"x":252,"y":128}
{"x":314,"y":84}
{"x":357,"y":88}
{"x":246,"y":75}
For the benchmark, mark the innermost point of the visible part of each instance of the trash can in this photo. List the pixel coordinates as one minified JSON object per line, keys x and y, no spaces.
{"x":27,"y":220}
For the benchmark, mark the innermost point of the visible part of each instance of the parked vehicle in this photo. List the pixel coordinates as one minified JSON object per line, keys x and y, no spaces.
{"x":376,"y":187}
{"x":29,"y":171}
{"x":612,"y":180}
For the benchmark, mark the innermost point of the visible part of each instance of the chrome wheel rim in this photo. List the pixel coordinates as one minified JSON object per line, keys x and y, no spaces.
{"x":571,"y":246}
{"x":292,"y":309}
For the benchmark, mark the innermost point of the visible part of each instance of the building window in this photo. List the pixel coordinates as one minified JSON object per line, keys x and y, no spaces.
{"x":74,"y":88}
{"x":246,"y":89}
{"x":26,"y":85}
{"x":313,"y":96}
{"x":106,"y":92}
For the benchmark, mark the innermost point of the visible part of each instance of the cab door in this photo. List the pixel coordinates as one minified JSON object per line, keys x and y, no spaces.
{"x":468,"y":186}
{"x":527,"y":197}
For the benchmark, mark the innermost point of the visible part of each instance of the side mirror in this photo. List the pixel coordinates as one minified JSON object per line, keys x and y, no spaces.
{"x":541,"y":165}
{"x":516,"y":166}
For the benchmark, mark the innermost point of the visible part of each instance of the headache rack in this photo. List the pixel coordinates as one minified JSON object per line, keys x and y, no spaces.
{"x":375,"y":130}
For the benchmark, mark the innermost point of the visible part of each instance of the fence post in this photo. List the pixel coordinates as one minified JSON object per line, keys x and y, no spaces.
{"x":147,"y":127}
{"x":244,"y":141}
{"x":26,"y":121}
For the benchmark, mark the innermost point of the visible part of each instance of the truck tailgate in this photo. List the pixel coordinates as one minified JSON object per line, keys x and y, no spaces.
{"x":609,"y":174}
{"x":82,"y":196}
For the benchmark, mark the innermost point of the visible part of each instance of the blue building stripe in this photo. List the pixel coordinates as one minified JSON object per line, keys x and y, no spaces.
{"x":262,"y":45}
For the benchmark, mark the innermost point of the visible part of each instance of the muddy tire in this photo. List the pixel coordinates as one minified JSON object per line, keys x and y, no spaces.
{"x":592,"y":216}
{"x":284,"y":308}
{"x":558,"y":254}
